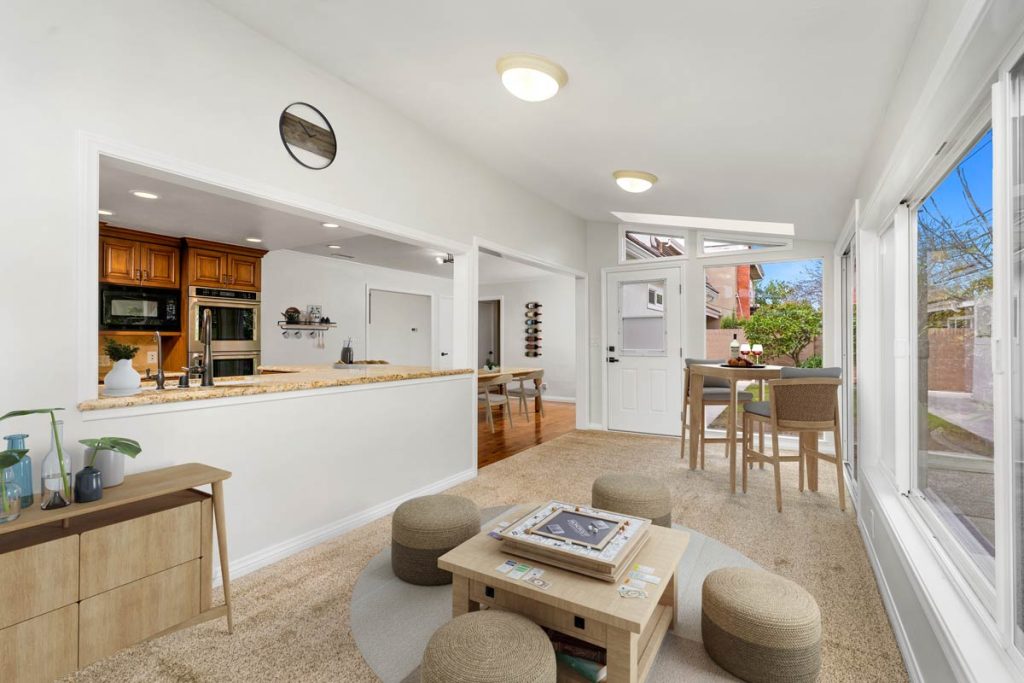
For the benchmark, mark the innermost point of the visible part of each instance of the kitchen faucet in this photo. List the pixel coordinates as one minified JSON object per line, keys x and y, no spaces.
{"x":207,"y":339}
{"x":159,"y":363}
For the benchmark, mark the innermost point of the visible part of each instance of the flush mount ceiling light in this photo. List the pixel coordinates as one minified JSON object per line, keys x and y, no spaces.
{"x":104,"y":212}
{"x":531,"y":78}
{"x":254,"y":240}
{"x":329,"y":225}
{"x":635,"y":181}
{"x":141,"y":194}
{"x":443,"y":259}
{"x":334,"y":246}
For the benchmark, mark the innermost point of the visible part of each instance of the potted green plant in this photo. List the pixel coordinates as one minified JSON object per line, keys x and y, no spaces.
{"x":56,"y":468}
{"x":10,"y":492}
{"x":106,"y":461}
{"x":122,"y":380}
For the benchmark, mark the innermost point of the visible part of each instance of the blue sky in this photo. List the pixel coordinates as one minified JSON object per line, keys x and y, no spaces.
{"x":977,"y":166}
{"x":785,"y":271}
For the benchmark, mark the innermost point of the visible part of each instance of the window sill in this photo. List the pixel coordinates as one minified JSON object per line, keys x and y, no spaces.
{"x":960,"y":622}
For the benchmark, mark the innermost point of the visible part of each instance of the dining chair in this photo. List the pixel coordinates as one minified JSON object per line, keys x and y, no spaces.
{"x":802,"y":400}
{"x":484,"y":395}
{"x":716,"y":393}
{"x":530,"y":390}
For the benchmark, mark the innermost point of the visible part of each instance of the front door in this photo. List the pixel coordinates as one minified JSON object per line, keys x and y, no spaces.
{"x":644,"y":357}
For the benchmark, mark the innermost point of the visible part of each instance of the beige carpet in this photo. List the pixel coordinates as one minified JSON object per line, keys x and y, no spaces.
{"x":292,"y":618}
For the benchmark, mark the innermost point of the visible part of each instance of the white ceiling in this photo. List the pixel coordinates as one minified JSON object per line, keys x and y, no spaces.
{"x":745,"y":109}
{"x":190,"y":209}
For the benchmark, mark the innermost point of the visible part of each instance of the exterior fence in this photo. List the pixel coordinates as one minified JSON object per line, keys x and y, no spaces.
{"x":717,"y":345}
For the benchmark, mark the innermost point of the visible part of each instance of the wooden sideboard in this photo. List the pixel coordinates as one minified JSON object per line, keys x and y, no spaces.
{"x":80,"y":583}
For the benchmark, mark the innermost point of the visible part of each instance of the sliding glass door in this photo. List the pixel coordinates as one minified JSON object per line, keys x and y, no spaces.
{"x":1015,"y":224}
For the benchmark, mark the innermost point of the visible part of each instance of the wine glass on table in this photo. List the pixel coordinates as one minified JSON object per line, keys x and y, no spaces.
{"x":744,"y":351}
{"x":758,"y":351}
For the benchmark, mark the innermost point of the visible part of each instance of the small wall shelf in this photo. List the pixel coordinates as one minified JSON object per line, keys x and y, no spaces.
{"x":311,"y":327}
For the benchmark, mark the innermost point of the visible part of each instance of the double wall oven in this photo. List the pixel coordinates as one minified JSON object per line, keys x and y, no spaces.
{"x":236,"y":329}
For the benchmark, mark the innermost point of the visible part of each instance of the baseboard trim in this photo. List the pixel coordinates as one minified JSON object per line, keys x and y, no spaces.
{"x":560,"y":399}
{"x":280,"y":551}
{"x":891,"y":609}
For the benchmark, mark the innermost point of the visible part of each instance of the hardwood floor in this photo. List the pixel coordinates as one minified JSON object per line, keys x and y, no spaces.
{"x":560,"y":418}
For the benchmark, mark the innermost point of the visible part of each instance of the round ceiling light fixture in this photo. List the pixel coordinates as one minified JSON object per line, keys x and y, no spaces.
{"x":531,"y":78}
{"x":635,"y":181}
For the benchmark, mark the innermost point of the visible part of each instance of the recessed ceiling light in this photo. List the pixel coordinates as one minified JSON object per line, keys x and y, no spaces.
{"x":530,"y":77}
{"x":329,"y":225}
{"x":141,"y":194}
{"x":255,"y":240}
{"x":635,"y":181}
{"x":333,"y":246}
{"x":104,"y":212}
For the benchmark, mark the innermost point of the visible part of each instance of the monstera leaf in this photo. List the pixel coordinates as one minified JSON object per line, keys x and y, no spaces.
{"x":128,"y":447}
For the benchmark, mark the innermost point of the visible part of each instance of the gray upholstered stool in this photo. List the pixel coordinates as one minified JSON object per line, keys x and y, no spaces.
{"x":633,"y":494}
{"x":760,"y":627}
{"x":489,"y":647}
{"x":424,"y":529}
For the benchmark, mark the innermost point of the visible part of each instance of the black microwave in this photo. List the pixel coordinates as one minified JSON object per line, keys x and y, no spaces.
{"x":139,"y":308}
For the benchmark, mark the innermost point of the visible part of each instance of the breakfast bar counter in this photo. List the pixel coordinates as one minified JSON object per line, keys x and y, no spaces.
{"x":278,"y":378}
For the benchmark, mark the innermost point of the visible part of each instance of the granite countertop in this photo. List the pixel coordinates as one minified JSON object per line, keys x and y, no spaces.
{"x":281,"y":378}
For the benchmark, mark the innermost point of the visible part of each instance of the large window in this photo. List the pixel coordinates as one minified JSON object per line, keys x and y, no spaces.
{"x":954,"y":464}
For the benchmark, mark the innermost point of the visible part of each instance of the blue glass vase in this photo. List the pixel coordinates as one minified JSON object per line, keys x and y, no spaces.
{"x":23,"y":470}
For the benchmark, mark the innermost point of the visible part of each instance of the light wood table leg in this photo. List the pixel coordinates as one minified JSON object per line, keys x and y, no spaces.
{"x":809,"y":442}
{"x":623,"y":656}
{"x":731,"y":436}
{"x":222,"y":547}
{"x":461,"y":604}
{"x":696,"y":413}
{"x":538,"y":406}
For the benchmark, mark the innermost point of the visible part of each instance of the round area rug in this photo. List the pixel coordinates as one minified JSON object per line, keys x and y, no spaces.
{"x":393,"y":620}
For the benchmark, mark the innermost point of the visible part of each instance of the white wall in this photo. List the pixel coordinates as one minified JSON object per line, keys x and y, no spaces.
{"x":184,"y":81}
{"x":558,"y":325}
{"x":291,"y":278}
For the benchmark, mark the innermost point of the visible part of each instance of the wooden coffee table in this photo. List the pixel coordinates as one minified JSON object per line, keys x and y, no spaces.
{"x":631,"y":629}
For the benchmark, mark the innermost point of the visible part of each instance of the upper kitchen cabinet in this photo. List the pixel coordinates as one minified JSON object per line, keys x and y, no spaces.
{"x":128,"y":257}
{"x":222,"y":265}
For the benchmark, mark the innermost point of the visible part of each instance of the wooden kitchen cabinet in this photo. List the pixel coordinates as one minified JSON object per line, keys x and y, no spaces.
{"x":129,"y":257}
{"x":222,"y":265}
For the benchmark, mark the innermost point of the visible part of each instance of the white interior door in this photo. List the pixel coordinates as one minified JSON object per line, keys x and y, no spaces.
{"x":644,"y":355}
{"x":445,"y":325}
{"x":398,"y":328}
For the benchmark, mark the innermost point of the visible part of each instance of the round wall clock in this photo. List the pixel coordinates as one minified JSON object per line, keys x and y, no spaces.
{"x":307,"y":135}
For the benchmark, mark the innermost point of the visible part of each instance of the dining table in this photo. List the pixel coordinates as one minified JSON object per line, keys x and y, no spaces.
{"x":734,"y":375}
{"x":517,"y":373}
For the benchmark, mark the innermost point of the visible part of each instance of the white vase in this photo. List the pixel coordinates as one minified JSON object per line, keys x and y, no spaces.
{"x":122,"y":380}
{"x":111,"y":467}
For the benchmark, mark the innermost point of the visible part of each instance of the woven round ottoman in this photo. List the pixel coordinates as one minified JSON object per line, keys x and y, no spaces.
{"x":489,"y":647}
{"x":633,"y":494}
{"x":760,"y":627}
{"x":424,"y":529}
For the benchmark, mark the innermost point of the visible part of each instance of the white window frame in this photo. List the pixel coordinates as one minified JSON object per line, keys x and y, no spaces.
{"x":686,"y":235}
{"x":967,"y":135}
{"x":777,"y":243}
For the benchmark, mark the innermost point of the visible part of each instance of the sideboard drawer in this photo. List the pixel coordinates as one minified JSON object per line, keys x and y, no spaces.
{"x":38,"y":574}
{"x":116,"y":554}
{"x":42,"y":649}
{"x":129,"y":614}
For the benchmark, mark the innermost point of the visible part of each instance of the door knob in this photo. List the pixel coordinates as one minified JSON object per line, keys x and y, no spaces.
{"x":613,"y":359}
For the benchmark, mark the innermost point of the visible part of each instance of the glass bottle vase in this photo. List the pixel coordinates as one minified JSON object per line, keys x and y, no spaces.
{"x":23,"y":470}
{"x":10,"y":496}
{"x":55,"y":491}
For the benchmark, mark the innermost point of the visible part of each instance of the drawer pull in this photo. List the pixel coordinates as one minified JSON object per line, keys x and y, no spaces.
{"x":489,"y":591}
{"x":579,"y":622}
